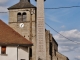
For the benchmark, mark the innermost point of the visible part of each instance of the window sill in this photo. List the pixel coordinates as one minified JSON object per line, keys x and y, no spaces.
{"x":4,"y":54}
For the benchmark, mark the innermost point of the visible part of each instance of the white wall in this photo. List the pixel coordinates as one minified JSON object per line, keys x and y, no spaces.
{"x":11,"y":53}
{"x":23,"y":53}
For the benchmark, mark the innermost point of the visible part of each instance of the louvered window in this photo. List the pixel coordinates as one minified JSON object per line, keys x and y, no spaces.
{"x":24,"y":16}
{"x":19,"y":17}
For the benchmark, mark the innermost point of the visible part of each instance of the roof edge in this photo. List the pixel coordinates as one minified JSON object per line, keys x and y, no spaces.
{"x":7,"y":44}
{"x":19,"y":8}
{"x":30,"y":43}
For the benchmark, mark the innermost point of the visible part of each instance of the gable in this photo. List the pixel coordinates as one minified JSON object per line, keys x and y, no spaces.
{"x":8,"y":36}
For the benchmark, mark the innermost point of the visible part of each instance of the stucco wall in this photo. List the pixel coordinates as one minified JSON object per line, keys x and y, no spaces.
{"x":11,"y":53}
{"x":23,"y":53}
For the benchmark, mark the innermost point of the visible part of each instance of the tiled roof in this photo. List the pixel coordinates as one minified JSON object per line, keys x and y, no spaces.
{"x":22,"y":4}
{"x":8,"y":36}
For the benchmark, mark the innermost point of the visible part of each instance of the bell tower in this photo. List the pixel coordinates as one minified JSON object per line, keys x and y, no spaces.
{"x":22,"y":18}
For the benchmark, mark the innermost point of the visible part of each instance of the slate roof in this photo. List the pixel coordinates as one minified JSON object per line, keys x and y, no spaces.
{"x":36,"y":0}
{"x":22,"y":4}
{"x":8,"y":36}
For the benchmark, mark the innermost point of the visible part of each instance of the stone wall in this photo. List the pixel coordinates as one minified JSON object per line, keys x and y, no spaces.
{"x":60,"y":56}
{"x":52,"y":48}
{"x":11,"y":53}
{"x":47,"y":33}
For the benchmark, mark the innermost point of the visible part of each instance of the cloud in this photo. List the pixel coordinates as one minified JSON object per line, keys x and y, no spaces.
{"x":73,"y":34}
{"x":77,"y":49}
{"x":65,"y":45}
{"x":3,"y":9}
{"x":52,"y":18}
{"x":62,"y":26}
{"x":3,"y":1}
{"x":66,"y":48}
{"x":63,"y":48}
{"x":77,"y":57}
{"x":3,"y":6}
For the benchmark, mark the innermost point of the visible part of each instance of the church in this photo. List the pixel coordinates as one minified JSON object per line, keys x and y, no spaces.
{"x":25,"y":37}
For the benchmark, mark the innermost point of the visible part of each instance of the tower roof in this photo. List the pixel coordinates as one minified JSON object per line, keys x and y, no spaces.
{"x":22,"y":4}
{"x":10,"y":37}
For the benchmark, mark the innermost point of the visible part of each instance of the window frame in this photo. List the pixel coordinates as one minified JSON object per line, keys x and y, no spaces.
{"x":3,"y":49}
{"x":22,"y":59}
{"x":19,"y":17}
{"x":24,"y":16}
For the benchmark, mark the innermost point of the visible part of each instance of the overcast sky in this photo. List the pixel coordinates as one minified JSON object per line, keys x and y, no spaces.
{"x":65,"y":20}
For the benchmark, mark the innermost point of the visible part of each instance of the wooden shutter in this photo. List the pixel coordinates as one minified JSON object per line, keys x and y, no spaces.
{"x":3,"y":50}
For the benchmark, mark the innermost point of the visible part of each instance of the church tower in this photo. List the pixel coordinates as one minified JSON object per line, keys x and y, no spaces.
{"x":22,"y":18}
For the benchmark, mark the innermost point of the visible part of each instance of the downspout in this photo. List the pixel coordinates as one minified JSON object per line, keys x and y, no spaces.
{"x":17,"y":52}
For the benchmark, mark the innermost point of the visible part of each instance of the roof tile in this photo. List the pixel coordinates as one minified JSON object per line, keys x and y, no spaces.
{"x":10,"y":36}
{"x":22,"y":4}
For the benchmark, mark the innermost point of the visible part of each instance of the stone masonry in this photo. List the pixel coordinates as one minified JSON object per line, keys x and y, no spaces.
{"x":41,"y":45}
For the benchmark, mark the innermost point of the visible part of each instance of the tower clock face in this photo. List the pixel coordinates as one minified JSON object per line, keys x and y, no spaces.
{"x":21,"y":25}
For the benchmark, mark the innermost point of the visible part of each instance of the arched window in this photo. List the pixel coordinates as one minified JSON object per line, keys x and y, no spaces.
{"x":24,"y":16}
{"x":19,"y":17}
